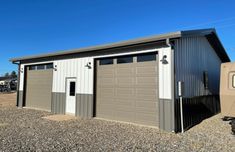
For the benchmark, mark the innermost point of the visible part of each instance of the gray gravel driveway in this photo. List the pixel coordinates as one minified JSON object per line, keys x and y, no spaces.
{"x":26,"y":130}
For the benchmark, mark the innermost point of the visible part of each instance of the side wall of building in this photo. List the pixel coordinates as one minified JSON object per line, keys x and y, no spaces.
{"x":194,"y":57}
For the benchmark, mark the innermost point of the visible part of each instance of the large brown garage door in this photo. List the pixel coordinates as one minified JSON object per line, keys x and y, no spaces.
{"x":127,"y":89}
{"x":39,"y":86}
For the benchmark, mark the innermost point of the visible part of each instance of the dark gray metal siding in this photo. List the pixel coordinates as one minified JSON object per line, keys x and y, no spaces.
{"x":193,"y":55}
{"x":84,"y":105}
{"x":58,"y":103}
{"x":20,"y":99}
{"x":165,"y":115}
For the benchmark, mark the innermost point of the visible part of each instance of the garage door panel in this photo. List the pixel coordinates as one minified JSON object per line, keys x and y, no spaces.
{"x":105,"y":105}
{"x":39,"y":89}
{"x":124,"y":97}
{"x":124,"y":72}
{"x":106,"y":81}
{"x":146,"y":64}
{"x":147,"y":122}
{"x":105,"y":110}
{"x":125,"y":81}
{"x":143,"y":71}
{"x":125,"y":91}
{"x":149,"y":81}
{"x":146,"y":104}
{"x":143,"y":117}
{"x":124,"y":107}
{"x":124,"y":115}
{"x":106,"y":97}
{"x":107,"y":114}
{"x":144,"y":110}
{"x":146,"y":97}
{"x":108,"y":92}
{"x":107,"y":67}
{"x":106,"y":73}
{"x":120,"y":103}
{"x":134,"y":95}
{"x":146,"y":91}
{"x":106,"y":101}
{"x":124,"y":65}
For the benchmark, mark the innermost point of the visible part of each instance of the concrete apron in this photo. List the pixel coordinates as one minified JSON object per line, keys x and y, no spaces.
{"x":59,"y":118}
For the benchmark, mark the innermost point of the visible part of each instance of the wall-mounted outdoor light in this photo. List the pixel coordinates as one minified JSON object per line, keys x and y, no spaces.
{"x":22,"y":70}
{"x":55,"y":67}
{"x":88,"y":65}
{"x":163,"y":60}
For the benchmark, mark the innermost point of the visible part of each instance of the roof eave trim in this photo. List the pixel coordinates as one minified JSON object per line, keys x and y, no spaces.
{"x":106,"y":46}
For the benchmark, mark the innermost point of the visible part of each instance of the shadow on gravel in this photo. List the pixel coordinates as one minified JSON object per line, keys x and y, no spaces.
{"x":195,"y":110}
{"x":231,"y":122}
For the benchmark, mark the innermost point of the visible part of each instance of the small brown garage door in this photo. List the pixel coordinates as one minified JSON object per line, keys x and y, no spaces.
{"x":39,"y":86}
{"x":127,"y":89}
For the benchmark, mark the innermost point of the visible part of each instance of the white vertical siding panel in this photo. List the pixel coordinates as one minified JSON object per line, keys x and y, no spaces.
{"x":87,"y":76}
{"x":91,"y":75}
{"x":75,"y":68}
{"x":58,"y":75}
{"x":70,"y":68}
{"x":79,"y":76}
{"x":54,"y":78}
{"x":165,"y":74}
{"x":76,"y":72}
{"x":63,"y":73}
{"x":83,"y":76}
{"x":21,"y":87}
{"x":62,"y":70}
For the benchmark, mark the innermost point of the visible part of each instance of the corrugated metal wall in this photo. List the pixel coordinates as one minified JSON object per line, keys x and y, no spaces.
{"x":20,"y":99}
{"x":84,"y":105}
{"x":74,"y":68}
{"x":193,"y":55}
{"x":166,"y":114}
{"x":58,"y":103}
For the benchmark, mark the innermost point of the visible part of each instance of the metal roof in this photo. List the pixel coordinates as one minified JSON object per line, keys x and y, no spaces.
{"x":203,"y":32}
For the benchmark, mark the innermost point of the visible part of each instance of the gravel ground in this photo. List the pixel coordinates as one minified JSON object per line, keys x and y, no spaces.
{"x":7,"y":99}
{"x":26,"y":130}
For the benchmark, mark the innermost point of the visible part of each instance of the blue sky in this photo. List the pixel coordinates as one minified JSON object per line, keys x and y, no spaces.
{"x":29,"y":27}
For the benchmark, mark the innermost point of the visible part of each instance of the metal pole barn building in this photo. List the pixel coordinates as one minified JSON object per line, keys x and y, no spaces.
{"x":132,"y":81}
